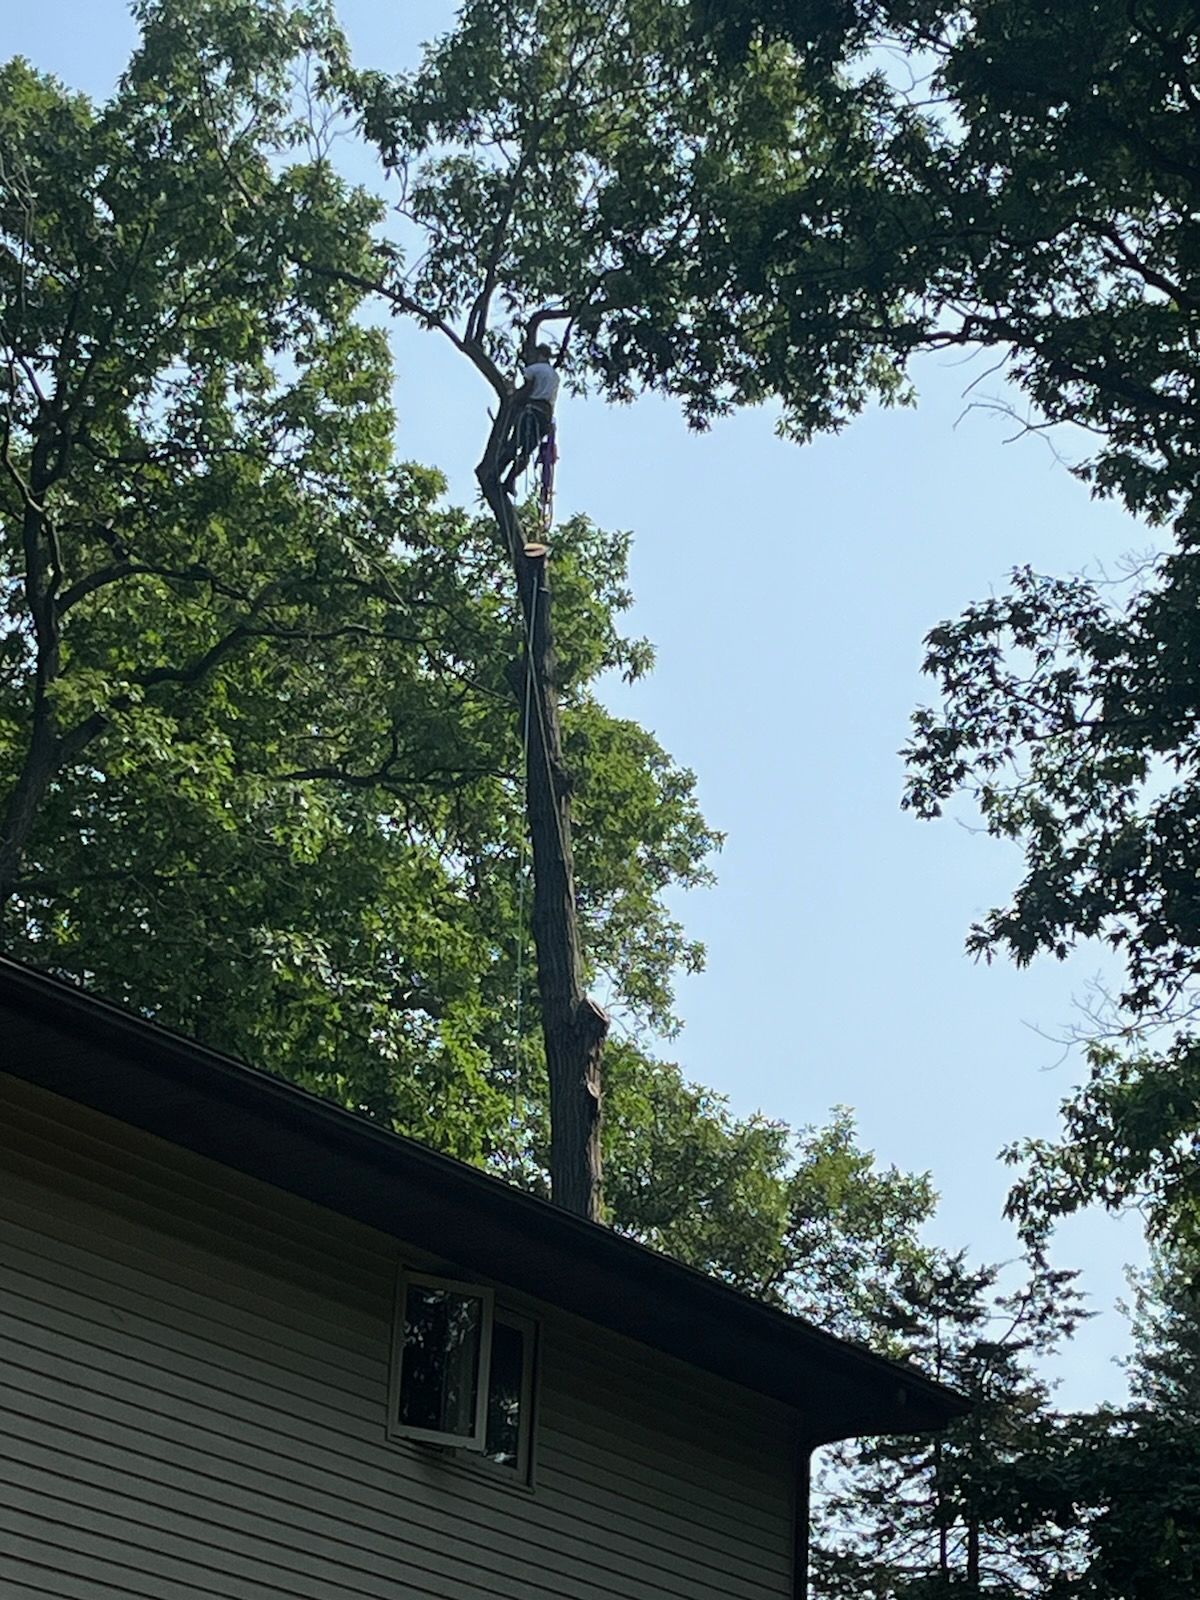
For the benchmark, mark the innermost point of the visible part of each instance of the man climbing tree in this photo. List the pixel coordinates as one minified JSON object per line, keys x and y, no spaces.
{"x":533,"y":416}
{"x":579,"y":187}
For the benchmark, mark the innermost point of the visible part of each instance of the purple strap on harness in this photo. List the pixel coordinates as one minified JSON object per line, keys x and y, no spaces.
{"x":547,"y":456}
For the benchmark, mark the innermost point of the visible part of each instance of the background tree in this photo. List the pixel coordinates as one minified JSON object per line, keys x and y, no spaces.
{"x":1067,"y":716}
{"x":920,"y":1518}
{"x":1023,"y":180}
{"x":172,"y":499}
{"x":1123,"y":1484}
{"x":1019,"y":178}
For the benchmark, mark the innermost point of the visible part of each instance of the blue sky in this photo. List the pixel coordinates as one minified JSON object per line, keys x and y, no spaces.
{"x":787,"y":591}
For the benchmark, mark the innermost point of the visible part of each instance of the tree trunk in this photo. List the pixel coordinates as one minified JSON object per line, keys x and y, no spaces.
{"x":973,"y":1554}
{"x":20,"y":814}
{"x":573,"y":1026}
{"x":940,"y":1504}
{"x":44,"y":753}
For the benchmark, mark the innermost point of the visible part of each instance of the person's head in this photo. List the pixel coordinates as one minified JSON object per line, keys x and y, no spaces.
{"x":543,"y":352}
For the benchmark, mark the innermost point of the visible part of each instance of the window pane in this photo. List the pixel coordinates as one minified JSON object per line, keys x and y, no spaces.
{"x":505,"y":1383}
{"x":439,"y":1369}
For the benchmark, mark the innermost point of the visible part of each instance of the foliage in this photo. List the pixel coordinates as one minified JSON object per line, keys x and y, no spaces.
{"x":919,"y":1518}
{"x":256,"y":679}
{"x":854,"y":1232}
{"x":1165,"y":1376}
{"x":176,"y":489}
{"x":1067,"y":716}
{"x":1125,"y":1484}
{"x":583,"y":162}
{"x":1030,"y":186}
{"x":1030,"y":190}
{"x":802,"y":1218}
{"x":257,"y":739}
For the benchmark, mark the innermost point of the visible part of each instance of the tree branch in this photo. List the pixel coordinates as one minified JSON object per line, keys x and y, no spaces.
{"x":428,"y":319}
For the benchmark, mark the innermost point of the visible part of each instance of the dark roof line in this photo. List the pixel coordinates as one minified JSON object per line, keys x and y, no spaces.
{"x":271,"y":1129}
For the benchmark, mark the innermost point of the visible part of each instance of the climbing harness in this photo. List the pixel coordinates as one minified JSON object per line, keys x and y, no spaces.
{"x":539,"y":448}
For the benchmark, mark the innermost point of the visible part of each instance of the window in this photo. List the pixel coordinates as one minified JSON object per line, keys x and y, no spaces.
{"x":444,"y":1343}
{"x":510,"y":1395}
{"x":462,"y":1373}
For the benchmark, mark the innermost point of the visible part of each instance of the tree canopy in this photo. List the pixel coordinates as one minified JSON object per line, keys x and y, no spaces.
{"x":1026,"y":185}
{"x":1026,"y":182}
{"x":589,"y":164}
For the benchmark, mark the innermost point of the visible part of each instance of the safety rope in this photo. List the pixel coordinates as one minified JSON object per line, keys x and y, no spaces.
{"x":541,"y":451}
{"x":523,"y":873}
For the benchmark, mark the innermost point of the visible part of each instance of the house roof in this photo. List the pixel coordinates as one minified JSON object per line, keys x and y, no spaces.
{"x":98,"y":1055}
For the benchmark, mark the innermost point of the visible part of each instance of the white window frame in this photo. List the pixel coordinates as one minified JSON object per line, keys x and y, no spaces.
{"x":471,"y":1291}
{"x":522,"y":1473}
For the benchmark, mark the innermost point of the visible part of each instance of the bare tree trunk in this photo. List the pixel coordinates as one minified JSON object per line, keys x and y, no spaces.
{"x":573,"y":1026}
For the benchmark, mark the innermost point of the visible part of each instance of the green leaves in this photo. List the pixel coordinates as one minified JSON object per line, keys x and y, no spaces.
{"x":1069,"y":718}
{"x":258,"y":748}
{"x":1030,"y":188}
{"x":588,"y":161}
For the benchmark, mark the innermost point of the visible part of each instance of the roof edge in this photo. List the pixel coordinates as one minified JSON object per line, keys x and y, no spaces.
{"x":916,"y":1401}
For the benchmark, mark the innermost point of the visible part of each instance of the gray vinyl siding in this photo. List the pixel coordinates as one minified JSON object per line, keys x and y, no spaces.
{"x":193,"y":1384}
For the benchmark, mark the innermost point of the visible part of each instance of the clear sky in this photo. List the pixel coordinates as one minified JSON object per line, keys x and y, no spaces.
{"x":788,"y":591}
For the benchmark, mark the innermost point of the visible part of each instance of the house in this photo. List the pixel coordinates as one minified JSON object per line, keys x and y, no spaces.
{"x":256,"y":1347}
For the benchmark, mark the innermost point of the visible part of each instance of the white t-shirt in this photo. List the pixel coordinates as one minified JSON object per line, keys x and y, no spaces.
{"x":542,"y":380}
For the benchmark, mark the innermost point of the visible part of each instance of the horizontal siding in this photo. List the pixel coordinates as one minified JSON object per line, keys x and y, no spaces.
{"x":193,"y":1381}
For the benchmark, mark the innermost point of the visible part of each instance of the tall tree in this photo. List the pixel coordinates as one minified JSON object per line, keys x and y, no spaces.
{"x":168,"y":379}
{"x":1123,"y":1485}
{"x":921,"y":1518}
